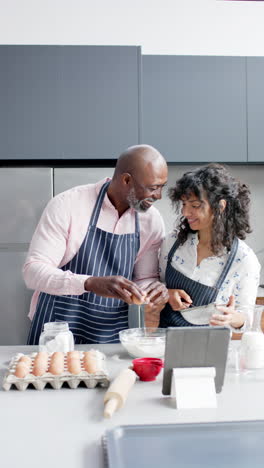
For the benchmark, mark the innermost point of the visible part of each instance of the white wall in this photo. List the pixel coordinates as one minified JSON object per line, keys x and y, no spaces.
{"x":185,"y":27}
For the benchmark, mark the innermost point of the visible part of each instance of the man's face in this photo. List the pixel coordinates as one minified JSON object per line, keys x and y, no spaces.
{"x":140,"y":205}
{"x":146,"y":191}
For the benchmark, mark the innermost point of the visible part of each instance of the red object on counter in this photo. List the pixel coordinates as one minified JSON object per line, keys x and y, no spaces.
{"x":147,"y":368}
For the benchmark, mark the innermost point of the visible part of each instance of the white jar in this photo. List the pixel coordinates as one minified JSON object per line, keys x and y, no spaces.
{"x":56,"y":336}
{"x":252,"y":350}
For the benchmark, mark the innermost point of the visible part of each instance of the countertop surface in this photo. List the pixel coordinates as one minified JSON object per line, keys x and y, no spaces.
{"x":64,"y":427}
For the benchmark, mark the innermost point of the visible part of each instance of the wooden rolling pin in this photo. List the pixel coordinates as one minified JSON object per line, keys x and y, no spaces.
{"x":116,"y":395}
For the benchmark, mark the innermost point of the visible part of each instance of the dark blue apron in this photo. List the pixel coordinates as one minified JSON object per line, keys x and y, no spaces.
{"x":199,"y":292}
{"x":92,"y":318}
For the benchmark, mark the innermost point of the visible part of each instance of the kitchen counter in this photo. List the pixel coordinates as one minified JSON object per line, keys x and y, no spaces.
{"x":64,"y":427}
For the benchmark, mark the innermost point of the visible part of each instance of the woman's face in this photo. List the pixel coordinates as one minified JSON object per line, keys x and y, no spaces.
{"x":198,"y":213}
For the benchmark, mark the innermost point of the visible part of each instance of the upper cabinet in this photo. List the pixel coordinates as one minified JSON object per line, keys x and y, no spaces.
{"x":194,"y":107}
{"x":68,"y":101}
{"x":100,"y":108}
{"x":255,"y":98}
{"x":29,"y":102}
{"x":92,"y":102}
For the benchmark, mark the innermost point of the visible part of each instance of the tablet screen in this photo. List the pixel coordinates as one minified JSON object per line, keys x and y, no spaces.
{"x":196,"y":347}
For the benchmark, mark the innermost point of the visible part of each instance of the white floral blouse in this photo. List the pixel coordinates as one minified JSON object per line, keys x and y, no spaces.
{"x":242,"y":279}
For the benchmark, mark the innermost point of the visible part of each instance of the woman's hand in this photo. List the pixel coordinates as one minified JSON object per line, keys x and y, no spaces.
{"x":179,"y":299}
{"x":152,"y":315}
{"x":229,"y":315}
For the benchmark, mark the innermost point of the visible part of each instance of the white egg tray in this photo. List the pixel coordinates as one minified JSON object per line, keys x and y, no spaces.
{"x":100,"y":377}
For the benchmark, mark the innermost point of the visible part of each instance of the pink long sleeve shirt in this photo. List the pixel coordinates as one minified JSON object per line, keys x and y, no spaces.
{"x":61,"y":231}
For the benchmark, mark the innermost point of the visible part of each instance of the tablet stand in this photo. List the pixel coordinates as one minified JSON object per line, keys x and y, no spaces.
{"x":193,"y":387}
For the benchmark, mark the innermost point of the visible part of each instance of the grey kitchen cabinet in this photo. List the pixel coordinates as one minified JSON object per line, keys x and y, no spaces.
{"x":194,"y":107}
{"x":24,"y":192}
{"x":66,"y":178}
{"x":29,"y":102}
{"x":100,"y":107}
{"x":255,"y":102}
{"x":68,"y":102}
{"x":15,"y":300}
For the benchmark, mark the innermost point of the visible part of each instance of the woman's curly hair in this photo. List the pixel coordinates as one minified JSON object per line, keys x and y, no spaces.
{"x":215,"y":183}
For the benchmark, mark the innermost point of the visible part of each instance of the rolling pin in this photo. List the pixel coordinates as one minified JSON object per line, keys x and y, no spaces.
{"x":116,"y":395}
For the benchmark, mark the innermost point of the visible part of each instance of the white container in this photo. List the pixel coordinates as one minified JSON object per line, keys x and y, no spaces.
{"x":252,"y":350}
{"x":56,"y":336}
{"x":144,"y":342}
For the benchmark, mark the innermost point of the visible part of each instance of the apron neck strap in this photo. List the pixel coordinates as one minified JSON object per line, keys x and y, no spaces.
{"x":136,"y":223}
{"x":98,"y":204}
{"x":228,"y":264}
{"x":173,"y":250}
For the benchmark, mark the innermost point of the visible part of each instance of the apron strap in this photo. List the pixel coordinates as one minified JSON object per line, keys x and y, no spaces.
{"x":228,"y":264}
{"x":98,"y":204}
{"x":173,"y":250}
{"x":137,"y":230}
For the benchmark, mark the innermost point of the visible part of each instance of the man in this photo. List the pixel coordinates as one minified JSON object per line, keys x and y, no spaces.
{"x":95,"y":250}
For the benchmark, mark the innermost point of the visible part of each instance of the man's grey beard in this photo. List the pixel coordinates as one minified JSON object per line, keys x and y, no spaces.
{"x":138,"y":205}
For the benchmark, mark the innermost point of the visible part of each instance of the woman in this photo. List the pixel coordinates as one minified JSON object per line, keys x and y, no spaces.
{"x":206,"y":260}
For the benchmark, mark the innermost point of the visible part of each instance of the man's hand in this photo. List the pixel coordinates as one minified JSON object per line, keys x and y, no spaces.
{"x":157,"y":293}
{"x":179,"y":299}
{"x":114,"y":286}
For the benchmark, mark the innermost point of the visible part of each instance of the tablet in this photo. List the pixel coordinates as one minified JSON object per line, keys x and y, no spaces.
{"x":196,"y":347}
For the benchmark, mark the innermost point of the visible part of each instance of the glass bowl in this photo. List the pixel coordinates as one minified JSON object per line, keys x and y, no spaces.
{"x":144,"y":342}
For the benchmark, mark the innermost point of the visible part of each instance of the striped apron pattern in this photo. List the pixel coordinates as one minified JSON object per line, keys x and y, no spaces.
{"x":199,"y":292}
{"x":92,"y":318}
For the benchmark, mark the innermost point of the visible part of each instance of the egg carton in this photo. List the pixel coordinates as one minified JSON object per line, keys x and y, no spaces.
{"x":100,"y":377}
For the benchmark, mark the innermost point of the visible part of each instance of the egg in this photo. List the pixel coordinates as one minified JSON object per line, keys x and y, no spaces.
{"x":56,"y":369}
{"x":90,"y":362}
{"x":73,"y":355}
{"x":58,"y":355}
{"x":41,"y":359}
{"x":138,"y":301}
{"x":42,"y":355}
{"x":56,"y":366}
{"x":74,"y":366}
{"x":21,"y":370}
{"x":39,"y":370}
{"x":40,"y":363}
{"x":26,"y":359}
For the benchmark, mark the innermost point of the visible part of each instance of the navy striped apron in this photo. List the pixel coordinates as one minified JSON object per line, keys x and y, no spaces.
{"x":92,"y":318}
{"x":199,"y":292}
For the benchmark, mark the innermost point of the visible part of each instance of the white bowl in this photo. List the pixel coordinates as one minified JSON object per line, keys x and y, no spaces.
{"x":144,"y":342}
